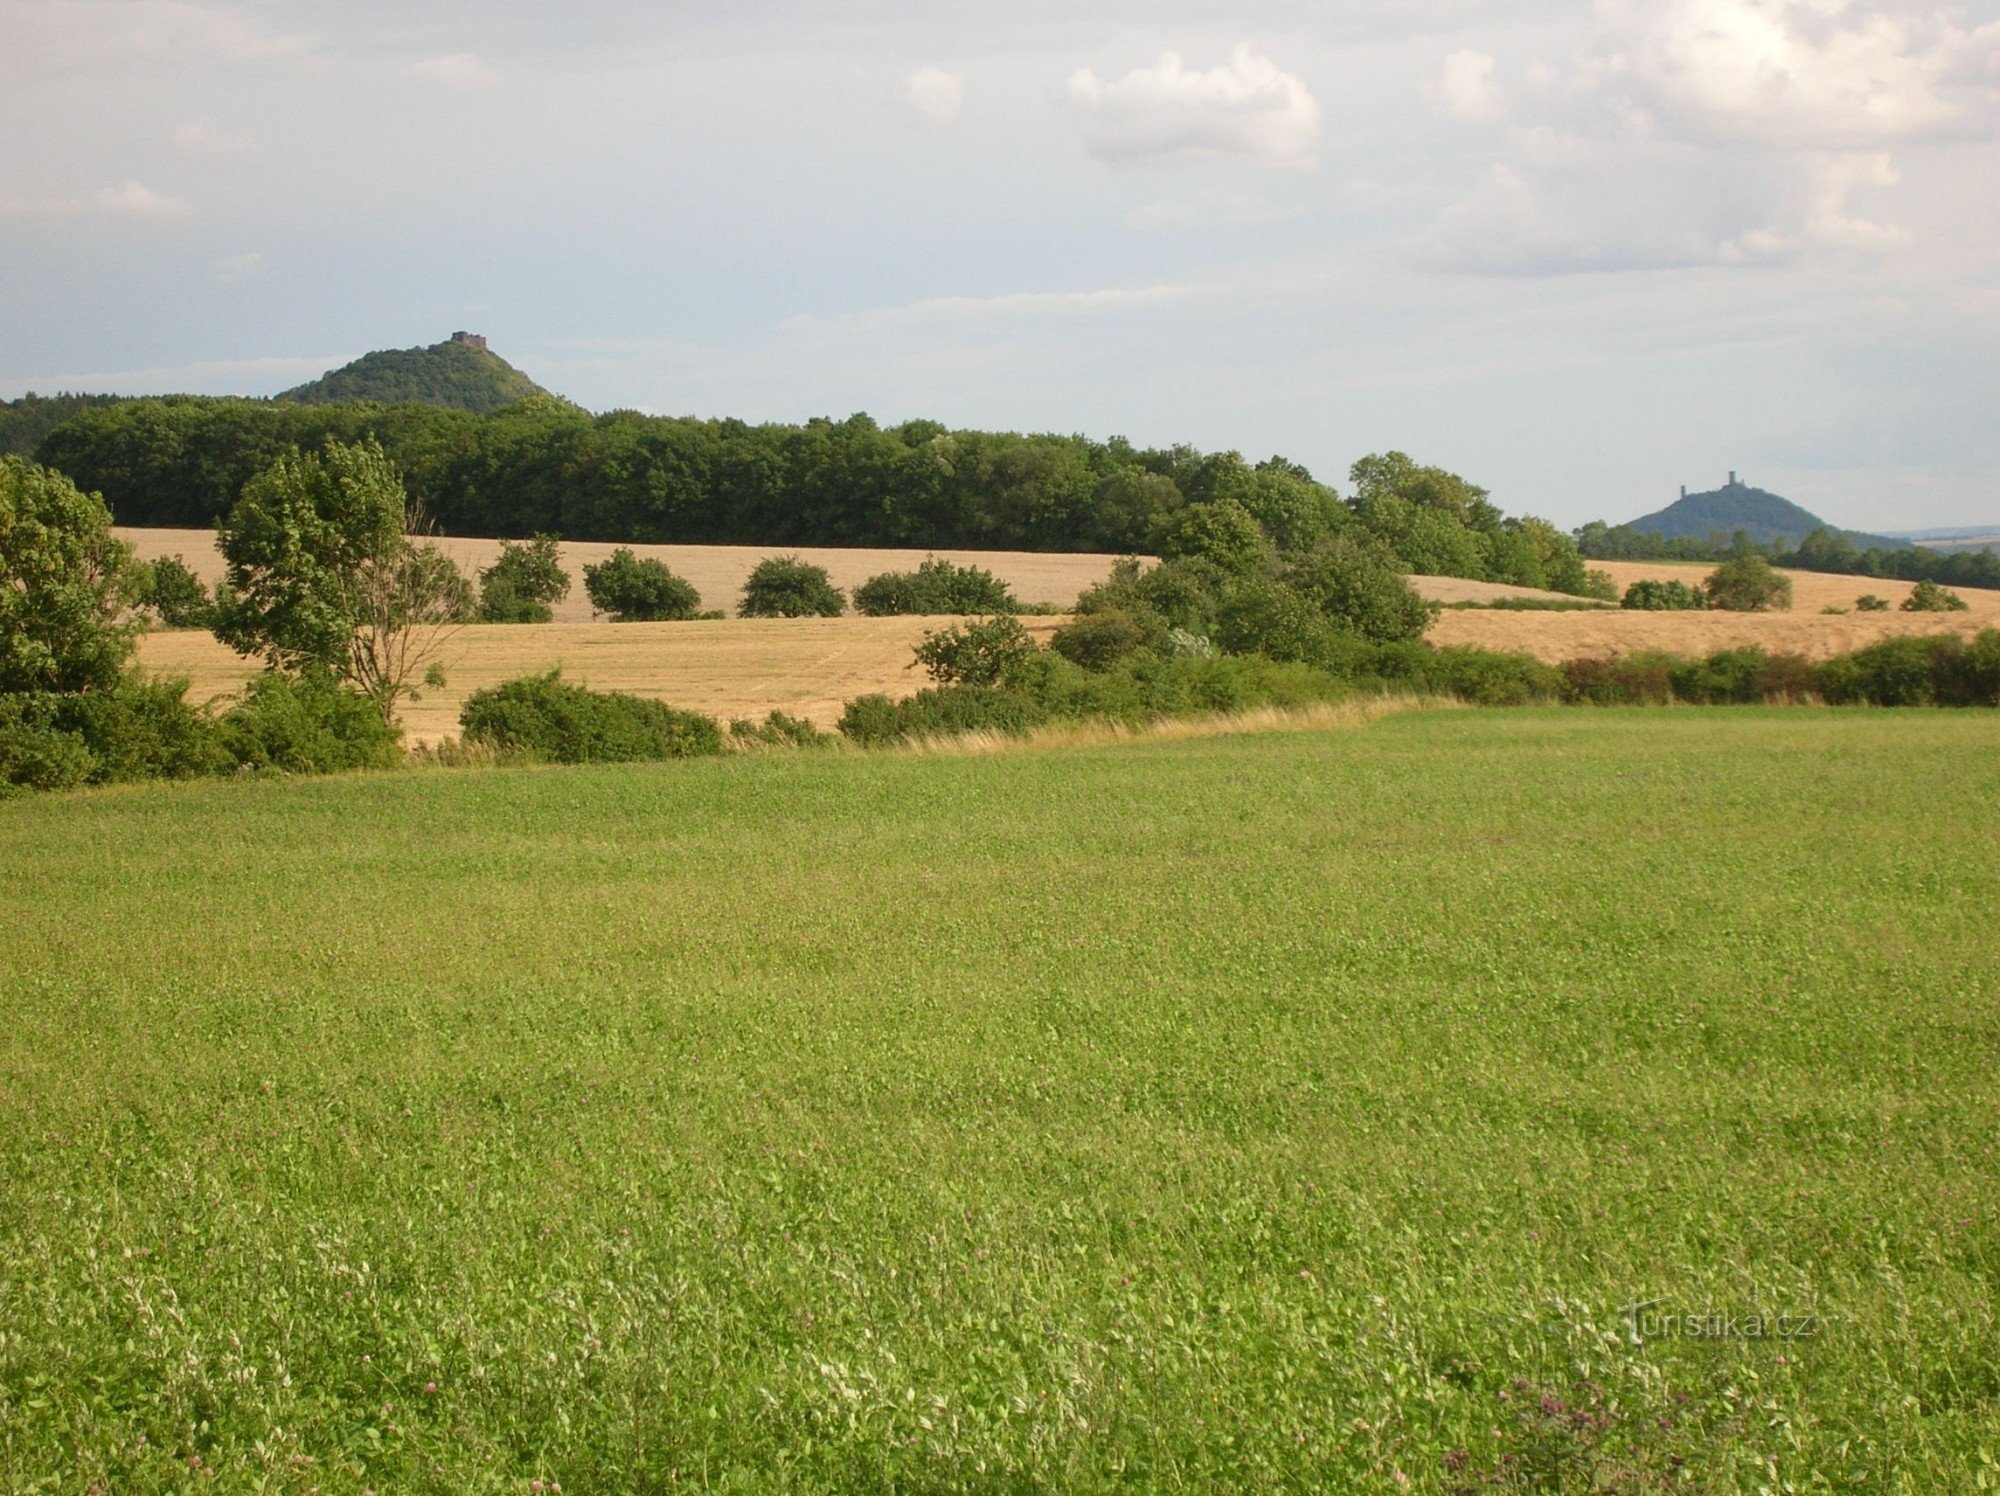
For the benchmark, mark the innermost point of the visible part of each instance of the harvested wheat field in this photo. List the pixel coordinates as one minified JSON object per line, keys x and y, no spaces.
{"x":1805,"y":630}
{"x":717,"y":571}
{"x":734,"y":667}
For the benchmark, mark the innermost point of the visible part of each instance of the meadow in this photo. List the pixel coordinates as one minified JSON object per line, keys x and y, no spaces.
{"x":1295,"y":1110}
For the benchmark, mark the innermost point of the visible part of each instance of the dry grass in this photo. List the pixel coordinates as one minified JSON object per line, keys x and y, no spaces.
{"x":1097,"y":734}
{"x":736,"y":667}
{"x":1805,"y":630}
{"x":1461,"y":590}
{"x":717,"y":571}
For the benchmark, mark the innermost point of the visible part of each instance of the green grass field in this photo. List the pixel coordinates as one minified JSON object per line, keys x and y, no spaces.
{"x":1294,"y":1110}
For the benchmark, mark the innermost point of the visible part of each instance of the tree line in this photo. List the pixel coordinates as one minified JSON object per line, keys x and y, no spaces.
{"x":1825,"y":550}
{"x":543,"y":465}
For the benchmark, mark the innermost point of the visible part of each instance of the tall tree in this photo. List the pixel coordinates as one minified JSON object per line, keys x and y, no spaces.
{"x":65,"y":581}
{"x":322,"y":574}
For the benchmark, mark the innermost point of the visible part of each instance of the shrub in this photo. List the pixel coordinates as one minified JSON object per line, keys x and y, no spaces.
{"x":1635,"y":680}
{"x":1929,"y":597}
{"x":974,"y":654}
{"x":1357,"y":583}
{"x":1096,"y":641}
{"x":522,"y":582}
{"x":1893,"y":672}
{"x":789,"y":587}
{"x":634,"y":591}
{"x":307,"y":724}
{"x":1273,"y":619}
{"x":1868,"y":602}
{"x":940,"y":711}
{"x":778,"y":730}
{"x":543,"y":718}
{"x":170,"y":590}
{"x":1749,"y":584}
{"x":1655,"y":596}
{"x":1600,"y":585}
{"x":140,"y":729}
{"x":1224,"y":534}
{"x":936,"y":586}
{"x":1487,"y":677}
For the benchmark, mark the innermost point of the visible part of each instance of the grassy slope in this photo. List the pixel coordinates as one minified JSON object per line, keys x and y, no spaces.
{"x":1257,"y":1110}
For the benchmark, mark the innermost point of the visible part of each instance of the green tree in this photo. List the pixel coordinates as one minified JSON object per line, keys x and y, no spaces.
{"x":936,"y":586}
{"x":1357,"y":585}
{"x":632,"y":590}
{"x":1223,"y":533}
{"x":522,"y":582}
{"x":1929,"y":597}
{"x":1748,"y":584}
{"x":790,"y":587}
{"x":322,"y":576}
{"x":975,"y":654}
{"x":65,"y":583}
{"x":170,"y":590}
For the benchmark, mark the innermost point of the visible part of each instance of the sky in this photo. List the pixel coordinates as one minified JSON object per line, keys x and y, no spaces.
{"x":1581,"y":253}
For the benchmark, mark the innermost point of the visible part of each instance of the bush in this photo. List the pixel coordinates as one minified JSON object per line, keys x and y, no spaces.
{"x":1224,"y":534}
{"x":1357,"y":583}
{"x":789,"y":587}
{"x":1600,"y":585}
{"x":941,"y":711}
{"x":307,"y":724}
{"x":1868,"y":602}
{"x":1929,"y":597}
{"x":170,"y":590}
{"x":974,"y":654}
{"x":1097,"y":641}
{"x":935,"y":587}
{"x":778,"y":730}
{"x":523,"y":581}
{"x":1654,"y":596}
{"x":1749,"y":584}
{"x":542,"y":718}
{"x":141,"y":729}
{"x":634,"y":591}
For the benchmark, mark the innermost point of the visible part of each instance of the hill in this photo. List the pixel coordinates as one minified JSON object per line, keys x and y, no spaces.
{"x":460,"y":373}
{"x":1737,"y":506}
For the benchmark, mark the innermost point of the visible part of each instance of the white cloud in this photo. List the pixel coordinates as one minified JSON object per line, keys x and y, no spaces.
{"x":91,"y":36}
{"x":460,"y":70}
{"x":239,"y":268}
{"x":1466,"y":88}
{"x":1732,"y":132}
{"x":1246,"y":107}
{"x":197,"y":138}
{"x":126,"y":200}
{"x":1830,"y":74}
{"x":935,"y":93}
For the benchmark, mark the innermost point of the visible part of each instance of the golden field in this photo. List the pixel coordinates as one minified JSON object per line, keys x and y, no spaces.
{"x":732,"y":667}
{"x":717,"y":571}
{"x":1805,"y":630}
{"x":809,"y":667}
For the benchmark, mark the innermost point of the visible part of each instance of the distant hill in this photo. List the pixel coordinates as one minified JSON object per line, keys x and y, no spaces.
{"x":1737,"y":506}
{"x":459,"y":373}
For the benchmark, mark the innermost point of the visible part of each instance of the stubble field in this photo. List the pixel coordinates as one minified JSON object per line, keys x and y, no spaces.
{"x":1289,"y":1111}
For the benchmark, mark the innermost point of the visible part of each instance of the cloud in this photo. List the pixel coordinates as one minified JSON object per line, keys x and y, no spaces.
{"x":1825,"y":74}
{"x":1013,"y":306}
{"x":1465,"y":87}
{"x":48,"y":39}
{"x":935,"y":93}
{"x":460,"y":70}
{"x":199,"y":139}
{"x":1717,"y":132}
{"x":1246,"y":107}
{"x":126,"y":200}
{"x":239,"y":268}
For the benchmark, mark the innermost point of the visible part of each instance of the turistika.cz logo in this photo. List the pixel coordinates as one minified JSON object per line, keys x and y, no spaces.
{"x":1648,"y":1321}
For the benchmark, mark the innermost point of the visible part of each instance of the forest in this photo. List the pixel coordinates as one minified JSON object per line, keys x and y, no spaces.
{"x":542,"y":465}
